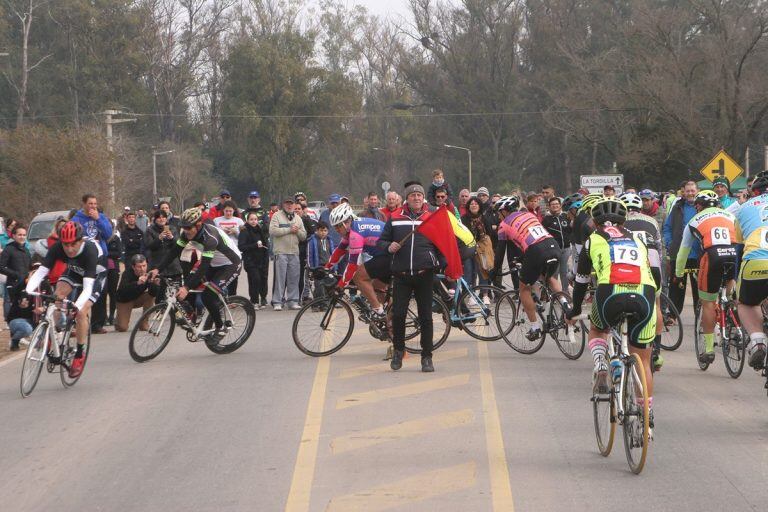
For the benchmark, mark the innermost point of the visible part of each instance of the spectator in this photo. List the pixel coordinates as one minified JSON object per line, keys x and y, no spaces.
{"x":532,"y":205}
{"x":547,"y":193}
{"x":165,"y":206}
{"x":132,"y":238}
{"x":114,"y":256}
{"x":333,"y":202}
{"x":464,"y":196}
{"x":253,"y":243}
{"x":136,"y":290}
{"x":722,"y":187}
{"x":231,"y":225}
{"x":651,"y":206}
{"x":142,"y":220}
{"x":679,"y":215}
{"x":559,"y":226}
{"x":53,"y":238}
{"x":254,"y":206}
{"x":372,"y":211}
{"x":481,"y":228}
{"x":438,"y":181}
{"x":483,"y":196}
{"x":217,"y":210}
{"x":158,"y":241}
{"x":273,"y":209}
{"x":393,"y":203}
{"x":441,"y":198}
{"x":286,"y":230}
{"x":319,"y":250}
{"x":6,"y":237}
{"x":301,"y":198}
{"x":15,"y":261}
{"x":609,"y":191}
{"x":24,"y":313}
{"x":309,"y":226}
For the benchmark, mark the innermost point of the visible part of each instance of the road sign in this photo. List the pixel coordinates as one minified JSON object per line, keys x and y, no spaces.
{"x":385,"y":186}
{"x":722,"y":165}
{"x":595,"y":182}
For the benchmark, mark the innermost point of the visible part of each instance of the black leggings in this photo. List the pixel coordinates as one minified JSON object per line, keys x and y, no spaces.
{"x":221,"y":277}
{"x":420,"y":286}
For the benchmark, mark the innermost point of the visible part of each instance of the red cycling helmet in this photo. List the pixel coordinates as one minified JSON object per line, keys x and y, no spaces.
{"x":71,"y":232}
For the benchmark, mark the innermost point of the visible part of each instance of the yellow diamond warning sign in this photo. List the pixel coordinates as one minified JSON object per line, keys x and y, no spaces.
{"x":722,"y":166}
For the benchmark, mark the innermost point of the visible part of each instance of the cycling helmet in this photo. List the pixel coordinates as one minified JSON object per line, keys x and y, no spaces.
{"x":190,"y":217}
{"x":647,"y":193}
{"x":569,"y":201}
{"x":576,"y":205}
{"x":297,"y":194}
{"x":509,"y":203}
{"x":609,"y":209}
{"x":761,"y":182}
{"x":71,"y":232}
{"x":631,"y":201}
{"x":589,"y":200}
{"x":341,"y":213}
{"x":707,"y":199}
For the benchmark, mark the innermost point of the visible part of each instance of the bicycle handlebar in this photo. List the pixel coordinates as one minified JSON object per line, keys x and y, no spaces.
{"x":51,"y":298}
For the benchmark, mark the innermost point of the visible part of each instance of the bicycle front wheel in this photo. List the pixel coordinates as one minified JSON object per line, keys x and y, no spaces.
{"x":698,"y":339}
{"x":476,"y":308}
{"x":152,"y":333}
{"x":239,"y":317}
{"x":514,"y":324}
{"x":637,"y":429}
{"x":323,"y":326}
{"x":68,"y":351}
{"x":734,"y":345}
{"x":672,"y":330}
{"x":34,"y":359}
{"x":441,"y":325}
{"x":604,"y":414}
{"x":571,"y":340}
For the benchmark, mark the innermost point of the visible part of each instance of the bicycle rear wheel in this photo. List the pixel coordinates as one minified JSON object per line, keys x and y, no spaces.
{"x":34,"y":359}
{"x":698,"y":339}
{"x":144,"y":345}
{"x":323,"y":326}
{"x":240,"y":314}
{"x":68,"y":351}
{"x":571,"y":340}
{"x":604,"y":414}
{"x":637,"y":428}
{"x":476,"y":309}
{"x":734,"y":345}
{"x":514,"y":332}
{"x":441,"y":325}
{"x":672,"y":332}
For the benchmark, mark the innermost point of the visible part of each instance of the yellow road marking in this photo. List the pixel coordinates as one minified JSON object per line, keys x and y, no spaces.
{"x":304,"y":471}
{"x":402,"y":430}
{"x":369,"y":346}
{"x":377,"y":395}
{"x":408,"y":491}
{"x":440,"y":355}
{"x":501,"y":491}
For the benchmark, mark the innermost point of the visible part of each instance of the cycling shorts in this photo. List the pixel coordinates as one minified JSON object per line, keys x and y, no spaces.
{"x":75,"y":280}
{"x":711,"y":265}
{"x":222,"y":277}
{"x":379,"y":267}
{"x":753,"y":282}
{"x":656,"y":273}
{"x":637,"y":301}
{"x":537,"y":261}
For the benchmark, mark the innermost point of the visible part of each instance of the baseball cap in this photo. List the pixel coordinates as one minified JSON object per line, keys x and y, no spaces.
{"x":288,"y":199}
{"x":126,"y":208}
{"x":482,"y":190}
{"x":334,"y":198}
{"x":224,"y":192}
{"x":254,"y":193}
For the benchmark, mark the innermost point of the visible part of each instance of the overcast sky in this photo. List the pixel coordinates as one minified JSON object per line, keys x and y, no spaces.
{"x":384,"y":7}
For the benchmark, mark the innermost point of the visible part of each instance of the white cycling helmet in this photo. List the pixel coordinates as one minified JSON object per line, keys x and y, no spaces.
{"x":509,"y":203}
{"x":341,"y":213}
{"x":631,"y":200}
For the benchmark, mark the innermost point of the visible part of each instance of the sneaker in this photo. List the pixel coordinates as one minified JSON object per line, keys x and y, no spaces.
{"x":377,"y":317}
{"x":264,"y":303}
{"x":707,"y":357}
{"x":24,"y":341}
{"x":14,"y":347}
{"x":216,"y":336}
{"x":757,"y":356}
{"x":294,"y":307}
{"x":397,"y":360}
{"x":658,"y":362}
{"x":487,"y":300}
{"x":77,"y":367}
{"x":600,"y":378}
{"x":533,"y":334}
{"x":277,"y":307}
{"x":426,"y":364}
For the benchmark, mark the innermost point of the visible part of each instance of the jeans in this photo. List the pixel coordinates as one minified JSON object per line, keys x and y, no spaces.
{"x":563,"y":259}
{"x":286,"y":279}
{"x":420,"y":285}
{"x":20,"y":328}
{"x":470,"y":272}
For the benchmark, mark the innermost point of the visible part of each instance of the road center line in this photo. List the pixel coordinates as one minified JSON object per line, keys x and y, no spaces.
{"x":501,"y":491}
{"x":416,"y":388}
{"x":304,"y":471}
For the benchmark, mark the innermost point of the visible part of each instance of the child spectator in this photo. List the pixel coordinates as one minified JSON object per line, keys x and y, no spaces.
{"x":319,"y":250}
{"x":438,"y":181}
{"x":253,"y":243}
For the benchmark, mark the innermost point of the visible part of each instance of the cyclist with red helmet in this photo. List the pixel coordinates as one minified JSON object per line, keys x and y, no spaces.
{"x":87,"y":268}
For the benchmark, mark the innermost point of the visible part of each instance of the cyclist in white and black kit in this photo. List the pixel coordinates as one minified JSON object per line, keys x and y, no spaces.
{"x":219,"y":264}
{"x":86,"y":268}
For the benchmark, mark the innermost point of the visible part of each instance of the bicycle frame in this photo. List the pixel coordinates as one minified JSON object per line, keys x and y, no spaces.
{"x":172,"y":303}
{"x":462,"y":285}
{"x":619,"y":339}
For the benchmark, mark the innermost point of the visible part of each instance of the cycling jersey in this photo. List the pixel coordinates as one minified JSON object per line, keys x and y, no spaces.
{"x":523,"y":229}
{"x":360,"y":243}
{"x":648,"y":230}
{"x":617,"y":255}
{"x":711,"y":227}
{"x":752,"y":227}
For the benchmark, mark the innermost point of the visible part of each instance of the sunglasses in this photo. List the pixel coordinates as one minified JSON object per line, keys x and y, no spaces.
{"x":226,"y":197}
{"x":440,"y":197}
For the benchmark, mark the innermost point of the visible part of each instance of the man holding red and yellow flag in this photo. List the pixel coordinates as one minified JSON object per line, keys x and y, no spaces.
{"x":414,"y":235}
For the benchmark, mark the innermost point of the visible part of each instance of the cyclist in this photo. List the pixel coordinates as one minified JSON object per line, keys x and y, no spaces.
{"x":714,"y":230}
{"x":219,"y":264}
{"x":648,"y":229}
{"x":86,"y":266}
{"x":368,"y":265}
{"x":624,"y":285}
{"x":752,"y":230}
{"x":583,"y":225}
{"x":521,"y":230}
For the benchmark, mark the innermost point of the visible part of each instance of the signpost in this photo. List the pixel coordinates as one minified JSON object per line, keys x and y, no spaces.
{"x":595,"y":182}
{"x":385,"y":186}
{"x":722,"y":165}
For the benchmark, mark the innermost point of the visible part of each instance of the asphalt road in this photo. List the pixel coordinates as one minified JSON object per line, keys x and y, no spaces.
{"x":267,"y":428}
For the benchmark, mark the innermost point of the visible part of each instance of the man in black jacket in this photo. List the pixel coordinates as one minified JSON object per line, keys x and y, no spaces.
{"x":136,"y":290}
{"x":414,"y":259}
{"x":558,"y":225}
{"x":132,"y":237}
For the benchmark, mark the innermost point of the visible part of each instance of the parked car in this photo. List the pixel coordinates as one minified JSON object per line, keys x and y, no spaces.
{"x":40,"y":228}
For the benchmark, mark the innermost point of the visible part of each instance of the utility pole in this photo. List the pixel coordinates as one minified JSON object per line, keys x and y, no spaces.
{"x":109,"y":121}
{"x":155,"y":154}
{"x":746,"y":163}
{"x":469,"y":156}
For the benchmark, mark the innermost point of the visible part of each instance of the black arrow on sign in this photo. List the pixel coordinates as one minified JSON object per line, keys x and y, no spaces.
{"x":721,"y":168}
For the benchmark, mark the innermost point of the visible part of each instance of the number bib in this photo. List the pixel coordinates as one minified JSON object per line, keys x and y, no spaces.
{"x":720,"y":236}
{"x":537,"y":232}
{"x":626,"y":262}
{"x":626,"y":255}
